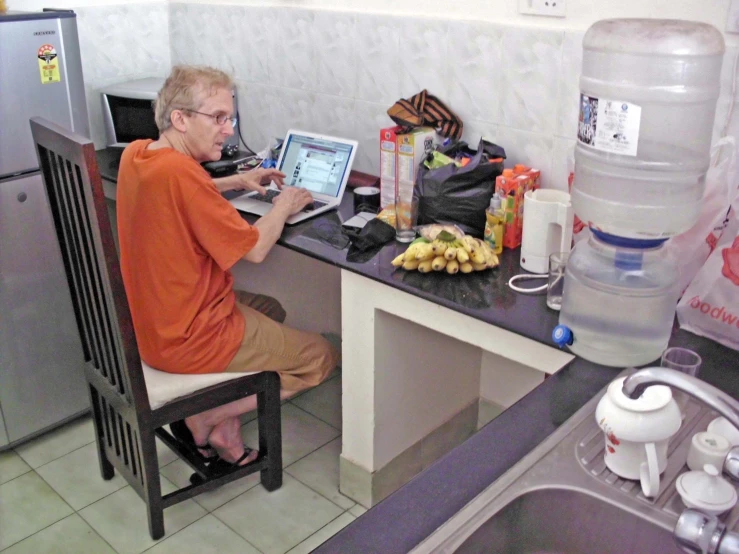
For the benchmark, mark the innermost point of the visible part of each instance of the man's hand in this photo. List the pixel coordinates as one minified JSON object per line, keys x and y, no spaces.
{"x":251,"y":180}
{"x":293,"y":199}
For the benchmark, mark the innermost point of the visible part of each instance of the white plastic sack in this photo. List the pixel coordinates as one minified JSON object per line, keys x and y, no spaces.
{"x":692,"y":248}
{"x":710,"y":305}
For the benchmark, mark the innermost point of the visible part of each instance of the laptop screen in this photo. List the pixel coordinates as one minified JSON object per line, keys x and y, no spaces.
{"x":316,"y":164}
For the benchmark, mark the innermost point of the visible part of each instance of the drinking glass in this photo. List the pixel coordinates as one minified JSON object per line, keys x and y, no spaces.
{"x":406,"y":218}
{"x":686,"y":361}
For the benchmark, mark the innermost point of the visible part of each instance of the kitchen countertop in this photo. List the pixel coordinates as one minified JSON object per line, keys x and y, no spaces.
{"x":418,"y":508}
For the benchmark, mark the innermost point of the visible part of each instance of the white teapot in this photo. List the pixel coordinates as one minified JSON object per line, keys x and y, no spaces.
{"x":637,"y":432}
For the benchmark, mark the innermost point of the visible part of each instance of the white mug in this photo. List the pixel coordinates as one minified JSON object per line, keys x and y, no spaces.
{"x":637,"y":432}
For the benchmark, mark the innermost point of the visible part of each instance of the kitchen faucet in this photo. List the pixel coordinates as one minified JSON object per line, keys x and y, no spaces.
{"x":694,"y":532}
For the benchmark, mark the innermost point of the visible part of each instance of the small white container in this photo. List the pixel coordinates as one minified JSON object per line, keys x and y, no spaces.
{"x":707,"y":448}
{"x":721,"y":426}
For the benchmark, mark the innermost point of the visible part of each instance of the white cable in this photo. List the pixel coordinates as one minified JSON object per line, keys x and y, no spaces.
{"x":524,"y":277}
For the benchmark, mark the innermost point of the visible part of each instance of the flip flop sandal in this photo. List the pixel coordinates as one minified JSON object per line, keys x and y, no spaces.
{"x":182,"y":433}
{"x":222,"y":466}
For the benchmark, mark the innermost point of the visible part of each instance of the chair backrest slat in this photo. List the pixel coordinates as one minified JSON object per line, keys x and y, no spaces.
{"x":78,"y":206}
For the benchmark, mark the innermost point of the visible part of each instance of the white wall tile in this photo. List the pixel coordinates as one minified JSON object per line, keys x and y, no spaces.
{"x":377,"y":43}
{"x":291,"y":56}
{"x":255,"y":115}
{"x":291,"y":109}
{"x":333,"y":115}
{"x":724,"y":102}
{"x":532,"y":60}
{"x":369,"y":118}
{"x":474,"y":130}
{"x":568,"y":100}
{"x":423,"y":57}
{"x":255,"y":43}
{"x":563,"y":161}
{"x":532,"y":149}
{"x":335,"y":57}
{"x":474,"y":70}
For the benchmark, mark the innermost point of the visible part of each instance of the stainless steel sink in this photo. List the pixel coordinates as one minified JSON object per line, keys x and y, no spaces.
{"x":561,"y":498}
{"x":560,"y":520}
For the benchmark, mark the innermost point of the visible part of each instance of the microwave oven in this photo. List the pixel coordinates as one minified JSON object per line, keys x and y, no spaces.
{"x":128,"y":112}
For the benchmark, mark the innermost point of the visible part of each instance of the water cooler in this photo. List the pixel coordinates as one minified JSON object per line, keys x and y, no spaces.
{"x":647,"y":105}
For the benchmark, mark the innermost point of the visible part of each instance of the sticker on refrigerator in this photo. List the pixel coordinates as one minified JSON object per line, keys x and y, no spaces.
{"x":609,"y":125}
{"x":48,"y":64}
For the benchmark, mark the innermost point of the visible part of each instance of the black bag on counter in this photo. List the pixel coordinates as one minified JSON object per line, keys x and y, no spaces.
{"x":459,"y":195}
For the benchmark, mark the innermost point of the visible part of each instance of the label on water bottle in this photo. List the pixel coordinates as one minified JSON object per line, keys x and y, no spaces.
{"x":609,"y":125}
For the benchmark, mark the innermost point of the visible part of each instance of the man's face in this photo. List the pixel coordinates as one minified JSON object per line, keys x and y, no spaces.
{"x":204,"y":136}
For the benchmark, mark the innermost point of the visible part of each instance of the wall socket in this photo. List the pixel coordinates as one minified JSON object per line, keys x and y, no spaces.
{"x":551,"y":8}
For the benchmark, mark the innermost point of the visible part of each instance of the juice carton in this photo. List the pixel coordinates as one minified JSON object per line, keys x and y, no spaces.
{"x":388,"y":164}
{"x":412,"y":147}
{"x":533,"y":174}
{"x":511,"y":188}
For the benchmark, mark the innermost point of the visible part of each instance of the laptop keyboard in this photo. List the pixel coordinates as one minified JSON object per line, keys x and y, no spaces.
{"x":270,"y":196}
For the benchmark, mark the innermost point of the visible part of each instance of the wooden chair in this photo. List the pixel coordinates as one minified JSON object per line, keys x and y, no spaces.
{"x":128,"y":415}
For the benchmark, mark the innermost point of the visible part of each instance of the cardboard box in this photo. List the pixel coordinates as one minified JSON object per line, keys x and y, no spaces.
{"x":388,"y":164}
{"x":411,"y":150}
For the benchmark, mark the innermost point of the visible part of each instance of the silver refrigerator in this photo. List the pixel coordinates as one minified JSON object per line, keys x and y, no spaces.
{"x":41,"y":376}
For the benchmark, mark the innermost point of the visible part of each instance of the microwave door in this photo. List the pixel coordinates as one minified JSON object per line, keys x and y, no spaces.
{"x":23,"y":91}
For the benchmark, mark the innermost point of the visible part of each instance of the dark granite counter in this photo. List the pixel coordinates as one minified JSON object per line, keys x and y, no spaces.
{"x":414,"y":511}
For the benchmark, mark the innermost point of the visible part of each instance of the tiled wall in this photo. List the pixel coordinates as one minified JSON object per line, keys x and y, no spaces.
{"x":338,"y":72}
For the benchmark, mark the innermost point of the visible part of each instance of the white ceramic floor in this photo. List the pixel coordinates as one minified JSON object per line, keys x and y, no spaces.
{"x":53,"y":500}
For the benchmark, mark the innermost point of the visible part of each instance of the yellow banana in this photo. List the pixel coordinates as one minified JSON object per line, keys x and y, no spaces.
{"x":450,"y":253}
{"x":466,"y":244}
{"x":397,"y":262}
{"x":424,"y":252}
{"x":478,"y":256}
{"x":478,"y":267}
{"x":439,"y":247}
{"x":438,"y":263}
{"x":410,"y":253}
{"x":425,"y":266}
{"x":462,"y":255}
{"x":452,"y":266}
{"x":466,"y":267}
{"x":411,"y":265}
{"x":493,"y":262}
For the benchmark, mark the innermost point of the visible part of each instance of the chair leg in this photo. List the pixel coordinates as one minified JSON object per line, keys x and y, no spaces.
{"x":152,"y":486}
{"x":270,"y":431}
{"x":107,"y":471}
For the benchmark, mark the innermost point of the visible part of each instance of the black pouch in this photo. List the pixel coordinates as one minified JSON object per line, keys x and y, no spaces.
{"x":459,"y":195}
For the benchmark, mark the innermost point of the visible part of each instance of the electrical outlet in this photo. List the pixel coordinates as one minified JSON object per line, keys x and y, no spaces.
{"x":551,"y":8}
{"x":732,"y":21}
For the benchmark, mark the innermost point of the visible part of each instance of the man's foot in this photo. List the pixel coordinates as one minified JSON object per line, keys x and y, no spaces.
{"x":182,"y":433}
{"x":226,"y":439}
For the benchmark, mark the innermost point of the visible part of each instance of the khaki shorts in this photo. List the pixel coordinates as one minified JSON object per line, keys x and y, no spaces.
{"x":301,"y":359}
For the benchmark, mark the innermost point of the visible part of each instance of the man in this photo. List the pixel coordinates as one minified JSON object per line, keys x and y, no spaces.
{"x":178,"y":240}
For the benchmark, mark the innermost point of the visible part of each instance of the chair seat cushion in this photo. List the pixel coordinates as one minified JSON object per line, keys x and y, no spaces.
{"x":164,"y":387}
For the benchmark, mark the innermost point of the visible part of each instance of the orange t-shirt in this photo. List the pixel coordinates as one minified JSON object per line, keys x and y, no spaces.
{"x":178,"y":238}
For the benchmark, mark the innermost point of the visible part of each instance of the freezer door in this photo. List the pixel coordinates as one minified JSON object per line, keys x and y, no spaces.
{"x":41,"y":363}
{"x":28,"y":90}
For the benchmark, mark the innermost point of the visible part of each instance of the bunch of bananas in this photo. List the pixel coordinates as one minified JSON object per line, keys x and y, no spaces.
{"x":447,"y":252}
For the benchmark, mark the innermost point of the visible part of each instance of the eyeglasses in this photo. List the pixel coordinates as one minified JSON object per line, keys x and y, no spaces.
{"x":220,"y":118}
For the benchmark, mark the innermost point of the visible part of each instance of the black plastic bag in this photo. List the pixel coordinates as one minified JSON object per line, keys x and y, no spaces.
{"x":459,"y":195}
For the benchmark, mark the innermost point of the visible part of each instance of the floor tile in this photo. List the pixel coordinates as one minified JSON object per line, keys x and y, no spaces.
{"x":76,"y":477}
{"x":357,"y":510}
{"x":324,"y":401}
{"x":165,"y":454}
{"x":205,"y":536}
{"x":57,"y":443}
{"x":320,"y":471}
{"x":302,"y":433}
{"x":11,"y":466}
{"x":121,"y":519}
{"x":68,"y":536}
{"x":179,"y":473}
{"x":27,"y":505}
{"x":322,"y":535}
{"x":277,"y":521}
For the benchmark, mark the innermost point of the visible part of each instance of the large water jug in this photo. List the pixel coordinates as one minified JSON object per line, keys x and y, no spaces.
{"x":619,"y":300}
{"x":647,"y":106}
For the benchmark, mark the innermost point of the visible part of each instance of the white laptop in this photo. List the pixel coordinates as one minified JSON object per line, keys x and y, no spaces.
{"x":318,"y":163}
